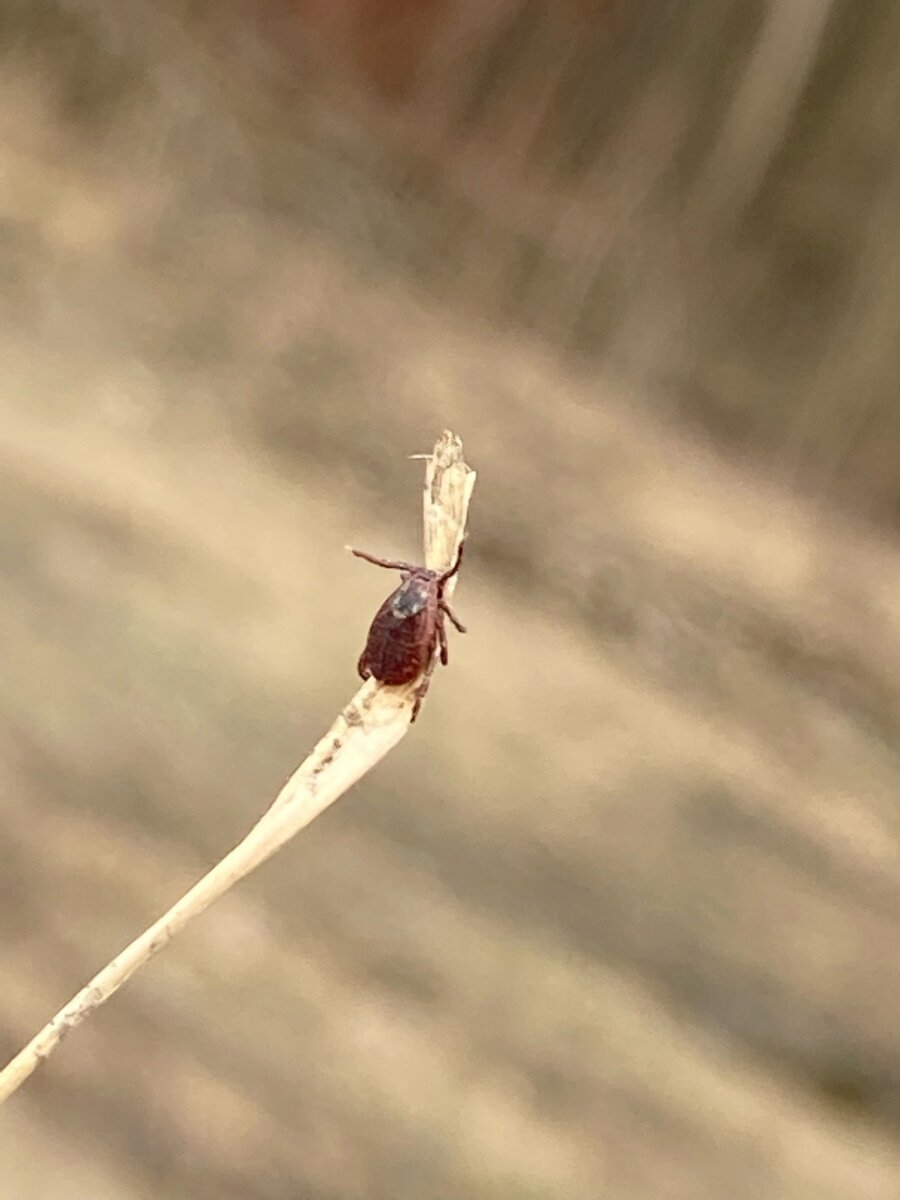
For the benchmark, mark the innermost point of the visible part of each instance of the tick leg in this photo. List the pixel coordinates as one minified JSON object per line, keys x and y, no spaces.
{"x":442,"y":637}
{"x":423,"y":688}
{"x":446,"y":575}
{"x":445,"y":607}
{"x":383,"y":562}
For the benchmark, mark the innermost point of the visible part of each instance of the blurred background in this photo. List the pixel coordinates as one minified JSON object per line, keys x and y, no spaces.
{"x":621,"y":917}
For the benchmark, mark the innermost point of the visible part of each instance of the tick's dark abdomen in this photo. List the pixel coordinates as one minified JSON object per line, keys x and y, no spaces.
{"x":398,"y":648}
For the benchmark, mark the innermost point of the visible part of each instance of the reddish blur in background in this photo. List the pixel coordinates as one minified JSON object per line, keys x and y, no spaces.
{"x":621,"y":917}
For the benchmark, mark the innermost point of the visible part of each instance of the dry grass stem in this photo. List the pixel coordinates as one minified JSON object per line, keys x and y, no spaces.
{"x":372,"y":724}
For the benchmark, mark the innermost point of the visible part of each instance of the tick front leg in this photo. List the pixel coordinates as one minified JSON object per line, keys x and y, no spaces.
{"x":445,"y":607}
{"x":382,"y":562}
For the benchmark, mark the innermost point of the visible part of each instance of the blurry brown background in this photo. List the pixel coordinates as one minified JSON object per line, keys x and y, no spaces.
{"x":621,"y":917}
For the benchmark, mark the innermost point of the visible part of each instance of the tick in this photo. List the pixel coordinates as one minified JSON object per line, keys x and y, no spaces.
{"x":409,"y":627}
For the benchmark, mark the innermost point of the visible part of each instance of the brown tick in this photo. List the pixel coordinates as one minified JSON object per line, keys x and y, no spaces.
{"x":409,"y":627}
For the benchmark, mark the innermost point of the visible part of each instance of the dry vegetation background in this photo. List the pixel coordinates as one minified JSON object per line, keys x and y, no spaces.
{"x":621,"y":917}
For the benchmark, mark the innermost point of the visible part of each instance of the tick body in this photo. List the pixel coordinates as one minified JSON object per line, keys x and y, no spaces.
{"x":409,"y":629}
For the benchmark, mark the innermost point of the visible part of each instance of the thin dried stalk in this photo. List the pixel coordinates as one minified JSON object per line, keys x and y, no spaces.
{"x":372,"y":724}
